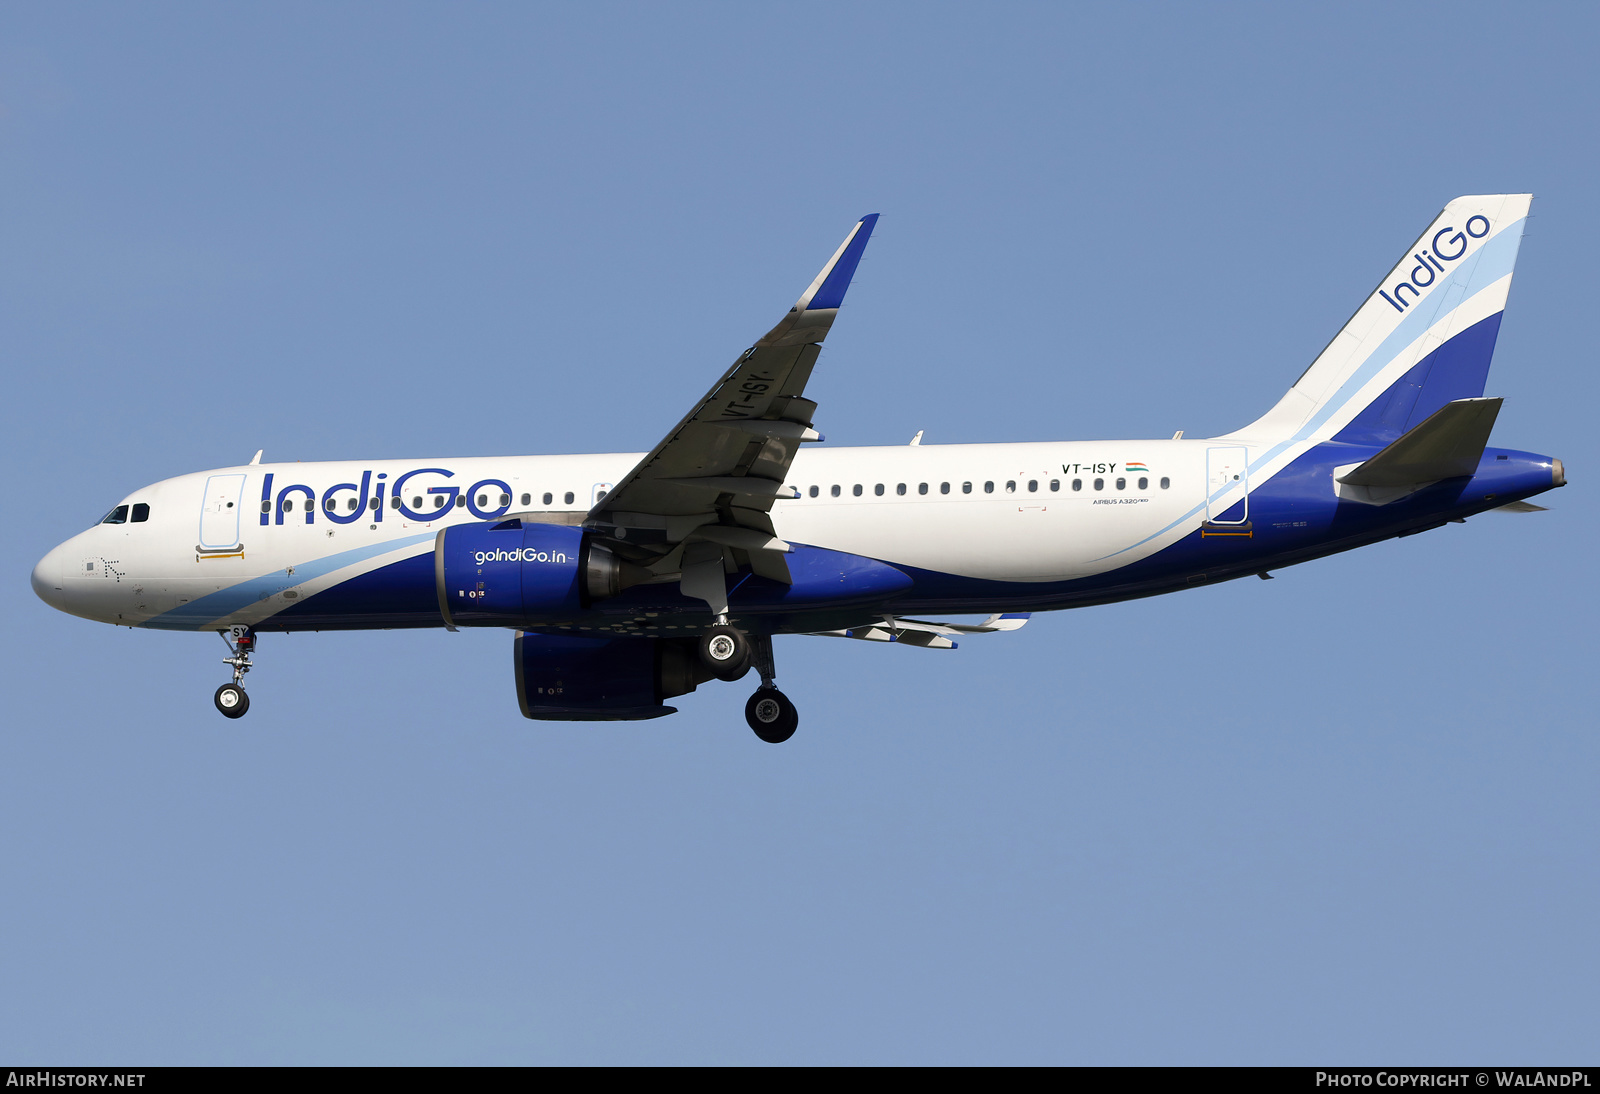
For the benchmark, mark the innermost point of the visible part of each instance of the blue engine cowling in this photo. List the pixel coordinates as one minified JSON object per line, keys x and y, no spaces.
{"x":509,"y":573}
{"x":576,"y":679}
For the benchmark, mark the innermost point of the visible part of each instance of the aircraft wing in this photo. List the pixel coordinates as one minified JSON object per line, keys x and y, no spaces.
{"x":713,"y":478}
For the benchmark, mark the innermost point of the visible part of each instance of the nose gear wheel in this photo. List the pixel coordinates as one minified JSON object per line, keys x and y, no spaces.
{"x":231,"y":700}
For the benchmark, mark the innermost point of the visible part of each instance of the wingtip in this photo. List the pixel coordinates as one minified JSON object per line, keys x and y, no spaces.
{"x":837,"y":278}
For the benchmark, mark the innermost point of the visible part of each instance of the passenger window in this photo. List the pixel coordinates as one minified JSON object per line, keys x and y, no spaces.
{"x":1077,"y":484}
{"x":944,"y":488}
{"x":1144,"y":484}
{"x":815,"y":491}
{"x":505,"y":499}
{"x":878,"y":490}
{"x":1011,"y":487}
{"x":568,"y":497}
{"x":527,"y":499}
{"x":966,"y":488}
{"x":351,"y":505}
{"x":461,"y":501}
{"x":394,"y":503}
{"x":900,"y":488}
{"x":438,"y":501}
{"x":548,"y":498}
{"x":1033,"y":486}
{"x":1099,"y":484}
{"x":288,"y":504}
{"x":922,"y":488}
{"x":1122,"y":484}
{"x":119,"y":515}
{"x":856,"y":489}
{"x":835,"y":490}
{"x":1165,"y":482}
{"x":266,"y":507}
{"x":988,"y":488}
{"x":1055,"y":485}
{"x":329,"y":504}
{"x":309,"y":505}
{"x":483,"y":501}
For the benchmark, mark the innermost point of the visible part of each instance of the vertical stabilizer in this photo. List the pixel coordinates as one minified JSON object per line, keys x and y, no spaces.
{"x":1422,"y":339}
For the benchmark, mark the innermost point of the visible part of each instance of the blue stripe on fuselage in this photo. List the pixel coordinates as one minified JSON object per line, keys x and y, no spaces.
{"x":224,"y":602}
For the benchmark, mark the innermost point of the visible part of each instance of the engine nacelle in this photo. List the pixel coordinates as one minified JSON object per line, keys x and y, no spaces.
{"x":571,"y":678}
{"x":515,"y":573}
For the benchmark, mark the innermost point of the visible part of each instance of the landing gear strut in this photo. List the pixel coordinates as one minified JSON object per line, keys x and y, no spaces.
{"x":231,"y":699}
{"x":769,"y":711}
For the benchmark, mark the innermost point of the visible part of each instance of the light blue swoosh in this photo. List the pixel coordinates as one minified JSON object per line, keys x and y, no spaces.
{"x":1487,"y":265}
{"x":224,"y":602}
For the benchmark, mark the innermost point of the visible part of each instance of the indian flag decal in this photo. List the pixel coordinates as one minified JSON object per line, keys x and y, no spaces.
{"x":1135,"y":467}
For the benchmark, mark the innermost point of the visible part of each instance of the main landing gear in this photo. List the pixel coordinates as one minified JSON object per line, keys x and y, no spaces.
{"x":728,"y":653}
{"x":731,"y":653}
{"x":771,"y":715}
{"x":725,"y":651}
{"x":231,"y":699}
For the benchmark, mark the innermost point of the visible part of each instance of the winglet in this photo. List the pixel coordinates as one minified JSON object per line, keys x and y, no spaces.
{"x":827,"y":291}
{"x":813,"y":313}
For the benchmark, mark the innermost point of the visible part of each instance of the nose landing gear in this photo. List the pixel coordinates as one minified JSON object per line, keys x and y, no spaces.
{"x":231,"y":699}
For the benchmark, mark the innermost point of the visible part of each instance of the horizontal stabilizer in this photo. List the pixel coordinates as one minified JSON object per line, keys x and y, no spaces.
{"x":1447,"y":445}
{"x":1523,"y":507}
{"x":1008,"y":621}
{"x":921,"y":632}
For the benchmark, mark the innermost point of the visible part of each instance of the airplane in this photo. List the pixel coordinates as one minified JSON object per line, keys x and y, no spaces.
{"x":629,"y":579}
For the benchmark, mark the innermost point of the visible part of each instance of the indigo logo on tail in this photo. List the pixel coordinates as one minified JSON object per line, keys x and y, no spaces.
{"x":1430,"y":266}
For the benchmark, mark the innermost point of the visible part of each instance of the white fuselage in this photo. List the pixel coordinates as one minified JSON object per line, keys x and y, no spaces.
{"x":1035,"y":512}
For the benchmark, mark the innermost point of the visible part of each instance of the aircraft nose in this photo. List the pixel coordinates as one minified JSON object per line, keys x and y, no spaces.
{"x":47,"y":580}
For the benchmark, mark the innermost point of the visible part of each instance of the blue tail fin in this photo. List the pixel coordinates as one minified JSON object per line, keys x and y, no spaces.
{"x":1424,"y":337}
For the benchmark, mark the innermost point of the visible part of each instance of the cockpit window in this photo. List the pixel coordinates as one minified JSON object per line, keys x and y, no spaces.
{"x":141,"y":512}
{"x":119,"y":515}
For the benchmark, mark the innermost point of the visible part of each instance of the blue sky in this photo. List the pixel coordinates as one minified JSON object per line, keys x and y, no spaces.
{"x":1344,"y":816}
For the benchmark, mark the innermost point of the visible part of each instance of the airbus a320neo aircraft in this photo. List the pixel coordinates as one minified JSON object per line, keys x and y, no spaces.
{"x":629,"y":579}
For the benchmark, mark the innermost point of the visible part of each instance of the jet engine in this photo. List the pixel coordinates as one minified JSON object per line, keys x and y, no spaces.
{"x":577,"y":678}
{"x":516,"y":573}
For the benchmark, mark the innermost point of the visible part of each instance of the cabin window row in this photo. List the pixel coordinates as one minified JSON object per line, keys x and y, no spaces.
{"x":350,"y":504}
{"x":1032,"y":486}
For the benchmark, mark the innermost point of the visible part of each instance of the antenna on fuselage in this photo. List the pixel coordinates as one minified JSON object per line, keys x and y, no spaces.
{"x":917,"y":440}
{"x":257,"y":457}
